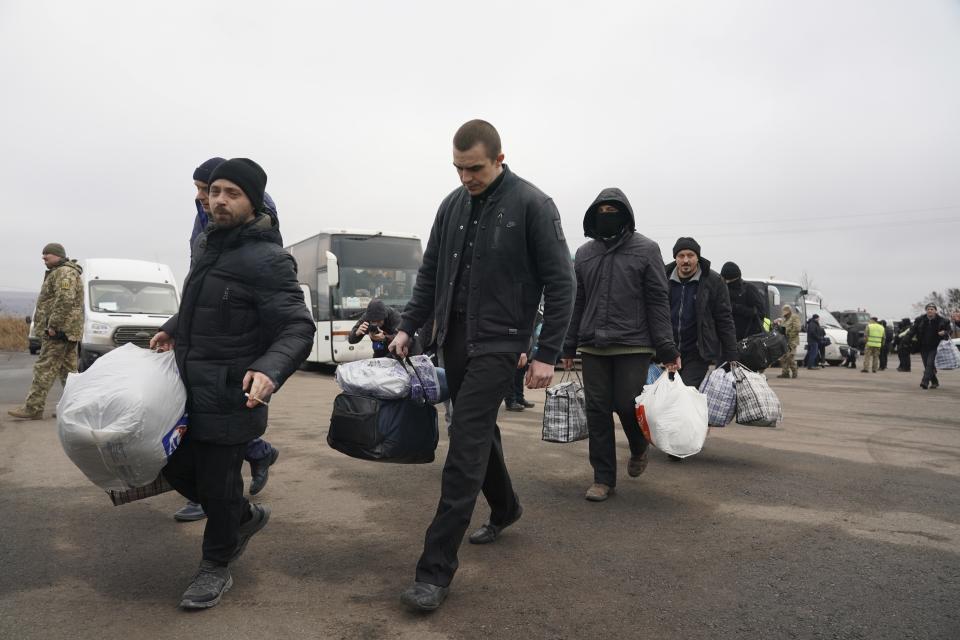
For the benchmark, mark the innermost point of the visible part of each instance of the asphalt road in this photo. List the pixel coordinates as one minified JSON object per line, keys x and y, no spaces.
{"x":842,"y":523}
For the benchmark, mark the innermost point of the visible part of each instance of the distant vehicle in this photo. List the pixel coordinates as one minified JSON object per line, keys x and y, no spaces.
{"x":778,"y":293}
{"x":340,"y":271}
{"x":838,"y":349}
{"x":124,"y":301}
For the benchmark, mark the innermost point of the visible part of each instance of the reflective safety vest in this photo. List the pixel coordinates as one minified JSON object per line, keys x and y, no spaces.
{"x":875,"y":333}
{"x":766,"y":324}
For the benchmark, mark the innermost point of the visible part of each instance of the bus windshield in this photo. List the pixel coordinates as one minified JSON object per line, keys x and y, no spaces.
{"x":132,"y":297}
{"x":374,"y":267}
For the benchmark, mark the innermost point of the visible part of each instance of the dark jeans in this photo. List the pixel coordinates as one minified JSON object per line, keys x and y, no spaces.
{"x":257,"y":449}
{"x":813,"y":354}
{"x":929,"y":366}
{"x":694,"y":369}
{"x":516,"y":391}
{"x":884,"y":351}
{"x":474,"y":462}
{"x":611,"y":383}
{"x":210,"y":474}
{"x":904,"y":359}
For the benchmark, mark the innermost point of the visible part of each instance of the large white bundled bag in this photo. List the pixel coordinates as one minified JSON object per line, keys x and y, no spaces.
{"x":123,"y":417}
{"x":381,"y":378}
{"x":947,"y":357}
{"x":673,"y":416}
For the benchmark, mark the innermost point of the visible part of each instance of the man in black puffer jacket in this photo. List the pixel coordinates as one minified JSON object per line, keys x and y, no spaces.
{"x":621,"y":317}
{"x":700,"y":313}
{"x":747,"y":303}
{"x":242,"y":329}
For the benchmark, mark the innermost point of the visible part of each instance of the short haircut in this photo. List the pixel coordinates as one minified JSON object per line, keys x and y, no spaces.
{"x":478,"y":131}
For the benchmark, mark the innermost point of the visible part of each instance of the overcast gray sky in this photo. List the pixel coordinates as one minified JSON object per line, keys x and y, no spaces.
{"x":768,"y":130}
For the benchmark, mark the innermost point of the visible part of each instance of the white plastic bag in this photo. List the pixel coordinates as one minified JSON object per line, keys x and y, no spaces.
{"x":947,"y":357}
{"x":121,"y":419}
{"x":382,"y":378}
{"x":673,"y":416}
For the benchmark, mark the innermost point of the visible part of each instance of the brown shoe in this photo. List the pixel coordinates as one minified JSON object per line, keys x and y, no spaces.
{"x":598,"y":492}
{"x":637,"y":465}
{"x":23,"y":414}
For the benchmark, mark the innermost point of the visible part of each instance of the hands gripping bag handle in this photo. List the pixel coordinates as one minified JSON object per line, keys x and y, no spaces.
{"x":673,"y":416}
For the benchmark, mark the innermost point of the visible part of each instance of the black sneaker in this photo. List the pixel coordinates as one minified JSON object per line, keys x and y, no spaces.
{"x":528,"y":404}
{"x":209,"y":584}
{"x":260,"y":472}
{"x":424,"y":597}
{"x":261,"y":514}
{"x":515,"y":406}
{"x":189,"y":512}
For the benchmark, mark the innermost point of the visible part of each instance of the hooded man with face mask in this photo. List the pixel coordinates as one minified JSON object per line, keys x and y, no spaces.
{"x":621,"y":319}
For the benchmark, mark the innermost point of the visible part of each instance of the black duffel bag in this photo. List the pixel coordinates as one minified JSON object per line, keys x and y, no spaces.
{"x":761,"y":350}
{"x":399,"y":431}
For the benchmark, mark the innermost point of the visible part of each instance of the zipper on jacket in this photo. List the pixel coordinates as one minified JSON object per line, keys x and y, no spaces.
{"x":496,"y":230}
{"x":225,"y":308}
{"x":683,"y":294}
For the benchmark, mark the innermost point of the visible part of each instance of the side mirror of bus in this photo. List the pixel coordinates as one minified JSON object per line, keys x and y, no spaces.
{"x":333,"y":270}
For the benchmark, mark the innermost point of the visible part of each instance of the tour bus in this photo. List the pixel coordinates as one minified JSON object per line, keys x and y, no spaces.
{"x":340,"y":272}
{"x":777,"y":293}
{"x":124,"y":301}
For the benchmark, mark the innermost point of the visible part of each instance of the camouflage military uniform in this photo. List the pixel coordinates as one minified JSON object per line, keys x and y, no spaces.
{"x":59,"y":307}
{"x":788,"y":363}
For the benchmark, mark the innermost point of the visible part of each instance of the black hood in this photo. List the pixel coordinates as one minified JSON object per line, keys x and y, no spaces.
{"x":610,"y":195}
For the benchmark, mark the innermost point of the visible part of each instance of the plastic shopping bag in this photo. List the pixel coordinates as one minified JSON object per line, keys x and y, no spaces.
{"x":123,"y":417}
{"x":653,"y":372}
{"x":947,"y":357}
{"x":673,"y":416}
{"x":383,"y":378}
{"x":757,"y":404}
{"x":564,"y":411}
{"x":427,"y":382}
{"x":721,"y":394}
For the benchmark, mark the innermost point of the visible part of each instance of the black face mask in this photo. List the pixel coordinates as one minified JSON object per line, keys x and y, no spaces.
{"x":609,"y":224}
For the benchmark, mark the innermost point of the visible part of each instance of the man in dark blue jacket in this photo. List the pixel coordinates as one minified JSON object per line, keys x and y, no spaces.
{"x":495,"y":248}
{"x":621,"y":318}
{"x":703,"y":326}
{"x":260,"y":453}
{"x":241,"y":330}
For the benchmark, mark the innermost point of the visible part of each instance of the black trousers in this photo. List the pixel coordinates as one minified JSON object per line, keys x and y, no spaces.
{"x":929,"y":366}
{"x":884,"y":352}
{"x":611,"y":384}
{"x":475,"y":456}
{"x":210,"y":474}
{"x":516,"y":390}
{"x":694,"y":369}
{"x":904,"y":359}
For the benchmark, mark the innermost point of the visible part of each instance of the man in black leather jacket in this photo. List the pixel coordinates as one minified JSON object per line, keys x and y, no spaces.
{"x":241,"y":330}
{"x":495,"y":246}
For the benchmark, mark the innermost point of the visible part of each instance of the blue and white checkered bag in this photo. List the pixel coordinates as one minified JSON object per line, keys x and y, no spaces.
{"x":757,"y":404}
{"x":947,"y":357}
{"x":721,"y":392}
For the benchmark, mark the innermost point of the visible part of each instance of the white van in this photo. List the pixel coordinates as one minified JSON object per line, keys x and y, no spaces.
{"x":837,"y":349}
{"x":124,"y":301}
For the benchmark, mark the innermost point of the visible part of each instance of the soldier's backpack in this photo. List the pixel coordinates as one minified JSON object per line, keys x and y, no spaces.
{"x":761,"y":350}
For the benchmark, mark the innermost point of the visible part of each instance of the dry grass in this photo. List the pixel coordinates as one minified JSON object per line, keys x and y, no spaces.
{"x":13,"y":333}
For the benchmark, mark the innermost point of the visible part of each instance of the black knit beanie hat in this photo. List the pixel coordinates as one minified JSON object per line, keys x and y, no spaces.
{"x":686,"y":243}
{"x":730,"y":271}
{"x":202,"y":173}
{"x":246,"y":174}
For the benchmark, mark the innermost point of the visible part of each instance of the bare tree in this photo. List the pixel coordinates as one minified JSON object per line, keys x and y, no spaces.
{"x":807,"y":281}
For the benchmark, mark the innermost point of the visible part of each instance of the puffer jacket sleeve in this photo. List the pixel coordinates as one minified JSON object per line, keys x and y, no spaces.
{"x":285,"y":320}
{"x":555,"y":268}
{"x":657,"y":303}
{"x":570,"y":343}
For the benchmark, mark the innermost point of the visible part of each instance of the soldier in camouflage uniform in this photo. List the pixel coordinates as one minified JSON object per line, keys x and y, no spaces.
{"x":791,"y":328}
{"x":59,"y":323}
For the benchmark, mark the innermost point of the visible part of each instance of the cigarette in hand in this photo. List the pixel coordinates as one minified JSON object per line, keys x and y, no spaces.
{"x":256,"y":399}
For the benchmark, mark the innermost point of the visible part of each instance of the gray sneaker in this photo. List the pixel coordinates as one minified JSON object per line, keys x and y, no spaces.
{"x":189,"y":512}
{"x":260,"y":515}
{"x":209,"y":584}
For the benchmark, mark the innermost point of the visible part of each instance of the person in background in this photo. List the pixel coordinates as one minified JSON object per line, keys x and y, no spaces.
{"x":814,"y":334}
{"x":903,"y":343}
{"x":381,"y":323}
{"x":885,"y":347}
{"x":515,"y":400}
{"x":790,"y":322}
{"x":874,"y":336}
{"x":747,"y":303}
{"x":930,"y":329}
